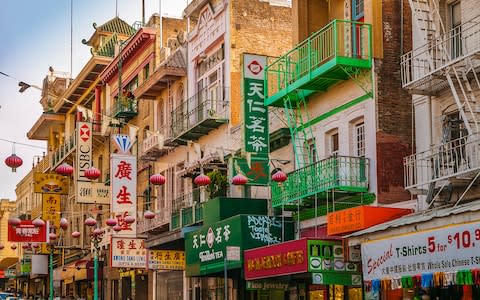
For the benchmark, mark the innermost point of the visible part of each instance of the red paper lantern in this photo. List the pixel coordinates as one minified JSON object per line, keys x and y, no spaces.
{"x":52,"y":236}
{"x":279,"y":177}
{"x":63,"y":223}
{"x":92,"y":173}
{"x":202,"y":180}
{"x":129,"y":219}
{"x":13,"y":161}
{"x":13,"y":246}
{"x":90,"y":221}
{"x":14,"y":221}
{"x":157,"y":179}
{"x":111,"y":222}
{"x":76,"y":234}
{"x":38,"y":222}
{"x":2,"y":246}
{"x":64,"y":169}
{"x":98,"y":232}
{"x":35,"y":245}
{"x":149,"y":215}
{"x":25,"y":246}
{"x":239,"y":179}
{"x":117,"y":228}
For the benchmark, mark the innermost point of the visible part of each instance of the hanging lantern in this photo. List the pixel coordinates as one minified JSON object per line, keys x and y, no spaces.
{"x":202,"y":180}
{"x":38,"y":222}
{"x":117,"y":228}
{"x":14,"y":222}
{"x":64,"y":169}
{"x":149,"y":215}
{"x":13,"y":161}
{"x":76,"y":234}
{"x":92,"y":173}
{"x":35,"y":245}
{"x":111,"y":222}
{"x":13,"y":246}
{"x":90,"y":222}
{"x":63,"y":223}
{"x":52,"y":236}
{"x":157,"y":179}
{"x":239,"y":179}
{"x":279,"y":177}
{"x":25,"y":246}
{"x":2,"y":246}
{"x":129,"y":219}
{"x":97,"y":232}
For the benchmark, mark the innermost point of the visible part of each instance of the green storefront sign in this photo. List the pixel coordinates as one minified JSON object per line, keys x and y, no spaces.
{"x":25,"y":266}
{"x":257,"y":172}
{"x":205,"y":248}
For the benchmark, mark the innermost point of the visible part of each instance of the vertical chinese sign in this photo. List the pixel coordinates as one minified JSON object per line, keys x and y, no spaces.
{"x":124,"y":192}
{"x":256,"y":134}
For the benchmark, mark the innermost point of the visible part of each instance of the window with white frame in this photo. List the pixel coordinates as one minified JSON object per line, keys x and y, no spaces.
{"x":359,"y":139}
{"x":332,"y":143}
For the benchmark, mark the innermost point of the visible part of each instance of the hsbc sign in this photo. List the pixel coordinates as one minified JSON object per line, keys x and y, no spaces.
{"x":84,"y":152}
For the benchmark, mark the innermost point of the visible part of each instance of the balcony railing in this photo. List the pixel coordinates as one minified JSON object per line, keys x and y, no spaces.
{"x":445,"y":50}
{"x":186,"y":200}
{"x":320,"y":60}
{"x":187,"y":216}
{"x":455,"y":158}
{"x":200,"y":114}
{"x":125,"y":108}
{"x":162,"y":218}
{"x":64,"y":150}
{"x":342,"y":173}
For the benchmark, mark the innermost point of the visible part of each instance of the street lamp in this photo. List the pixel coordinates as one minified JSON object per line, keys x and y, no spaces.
{"x":96,"y":236}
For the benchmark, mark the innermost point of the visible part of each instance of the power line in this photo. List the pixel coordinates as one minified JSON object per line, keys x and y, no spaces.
{"x":23,"y":144}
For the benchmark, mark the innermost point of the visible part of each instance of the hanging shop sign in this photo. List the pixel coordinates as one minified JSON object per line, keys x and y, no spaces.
{"x":166,"y":260}
{"x":51,"y":210}
{"x":50,"y":183}
{"x":256,"y":135}
{"x":361,"y":217}
{"x":206,"y":248}
{"x":84,"y":150}
{"x":124,"y":192}
{"x":451,"y":248}
{"x":257,"y":171}
{"x":128,"y":253}
{"x":26,"y":232}
{"x":93,"y":192}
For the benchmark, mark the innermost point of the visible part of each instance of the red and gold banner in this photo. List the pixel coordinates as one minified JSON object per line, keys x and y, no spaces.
{"x":26,"y":232}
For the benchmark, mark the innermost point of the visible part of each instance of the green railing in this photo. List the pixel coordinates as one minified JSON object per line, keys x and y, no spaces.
{"x":187,"y":216}
{"x":124,"y":107}
{"x":342,"y":173}
{"x":340,"y":43}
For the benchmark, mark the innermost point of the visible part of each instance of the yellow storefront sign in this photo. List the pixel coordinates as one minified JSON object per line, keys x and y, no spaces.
{"x":50,"y":183}
{"x":166,"y":260}
{"x":51,"y":212}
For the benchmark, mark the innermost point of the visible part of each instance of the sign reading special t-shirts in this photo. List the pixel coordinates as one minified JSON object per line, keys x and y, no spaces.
{"x":444,"y":249}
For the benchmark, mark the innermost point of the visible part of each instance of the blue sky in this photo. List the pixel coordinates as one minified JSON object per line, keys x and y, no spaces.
{"x":35,"y":34}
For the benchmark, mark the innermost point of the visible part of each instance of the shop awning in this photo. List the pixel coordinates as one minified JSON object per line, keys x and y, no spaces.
{"x":8,"y":262}
{"x":424,"y":220}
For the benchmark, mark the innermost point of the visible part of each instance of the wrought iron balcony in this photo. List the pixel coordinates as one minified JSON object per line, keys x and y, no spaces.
{"x":335,"y":52}
{"x":125,"y":108}
{"x":422,"y":67}
{"x":342,"y":173}
{"x":460,"y":157}
{"x":186,"y":200}
{"x":187,"y":216}
{"x":64,"y":150}
{"x":200,"y":114}
{"x":162,"y":218}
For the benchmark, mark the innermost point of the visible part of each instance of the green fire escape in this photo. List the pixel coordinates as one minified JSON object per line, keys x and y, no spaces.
{"x":339,"y":51}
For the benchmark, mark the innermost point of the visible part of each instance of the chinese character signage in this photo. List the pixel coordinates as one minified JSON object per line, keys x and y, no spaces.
{"x":51,"y":209}
{"x":206,"y":248}
{"x":93,"y":192}
{"x":124,"y":192}
{"x":257,"y":172}
{"x":128,"y":253}
{"x":166,"y":260}
{"x":256,"y":135}
{"x":26,"y":232}
{"x":452,"y":248}
{"x":50,"y":183}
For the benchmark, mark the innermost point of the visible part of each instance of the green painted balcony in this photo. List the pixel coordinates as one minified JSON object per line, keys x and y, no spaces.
{"x":341,"y":174}
{"x":125,"y":108}
{"x":332,"y":54}
{"x":200,"y":114}
{"x":187,"y":216}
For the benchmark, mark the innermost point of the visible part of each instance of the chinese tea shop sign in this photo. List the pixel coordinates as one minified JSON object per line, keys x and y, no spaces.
{"x":451,"y":248}
{"x":128,"y":253}
{"x":206,"y":248}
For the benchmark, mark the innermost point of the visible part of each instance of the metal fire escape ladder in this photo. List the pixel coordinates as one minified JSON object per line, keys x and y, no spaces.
{"x":296,"y":113}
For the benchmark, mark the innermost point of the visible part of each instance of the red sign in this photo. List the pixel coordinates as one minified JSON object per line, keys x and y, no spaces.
{"x":26,"y":232}
{"x":276,"y":260}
